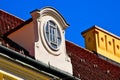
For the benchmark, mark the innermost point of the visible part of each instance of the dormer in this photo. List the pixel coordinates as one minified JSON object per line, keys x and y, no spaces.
{"x":43,"y":37}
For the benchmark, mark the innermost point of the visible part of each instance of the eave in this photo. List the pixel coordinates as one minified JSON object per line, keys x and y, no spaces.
{"x":35,"y":65}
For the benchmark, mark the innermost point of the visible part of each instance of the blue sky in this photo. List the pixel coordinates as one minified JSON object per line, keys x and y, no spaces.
{"x":80,"y":14}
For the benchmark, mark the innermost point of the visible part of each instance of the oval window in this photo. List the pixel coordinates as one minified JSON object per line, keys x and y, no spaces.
{"x":52,"y":35}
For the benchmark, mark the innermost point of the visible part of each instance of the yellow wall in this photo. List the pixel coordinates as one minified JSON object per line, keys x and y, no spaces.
{"x":4,"y":76}
{"x":102,"y":42}
{"x":16,"y":70}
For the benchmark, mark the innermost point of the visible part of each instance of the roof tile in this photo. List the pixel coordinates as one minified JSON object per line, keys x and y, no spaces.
{"x":8,"y":22}
{"x":88,"y":66}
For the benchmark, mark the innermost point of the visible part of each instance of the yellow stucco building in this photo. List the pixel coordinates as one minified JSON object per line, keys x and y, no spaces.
{"x":102,"y":42}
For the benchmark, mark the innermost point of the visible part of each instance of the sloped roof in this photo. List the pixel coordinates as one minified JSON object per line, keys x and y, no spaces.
{"x":8,"y":22}
{"x":88,"y":66}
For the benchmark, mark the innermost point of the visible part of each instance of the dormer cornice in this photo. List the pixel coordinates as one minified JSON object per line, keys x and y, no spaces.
{"x":48,"y":11}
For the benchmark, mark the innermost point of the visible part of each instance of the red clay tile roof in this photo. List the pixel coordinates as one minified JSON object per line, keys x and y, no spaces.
{"x":8,"y":22}
{"x":88,"y":66}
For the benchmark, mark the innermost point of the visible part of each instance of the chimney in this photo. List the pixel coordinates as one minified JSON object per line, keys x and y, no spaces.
{"x":102,"y":42}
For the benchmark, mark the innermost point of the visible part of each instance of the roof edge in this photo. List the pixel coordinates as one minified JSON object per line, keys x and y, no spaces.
{"x":11,"y":14}
{"x":52,"y":9}
{"x":101,"y":29}
{"x":79,"y":46}
{"x":37,"y":64}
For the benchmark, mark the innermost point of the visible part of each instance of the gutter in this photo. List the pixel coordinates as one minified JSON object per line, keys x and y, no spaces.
{"x":37,"y":64}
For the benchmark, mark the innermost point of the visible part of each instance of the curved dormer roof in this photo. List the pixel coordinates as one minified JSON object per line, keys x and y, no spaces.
{"x":51,"y":12}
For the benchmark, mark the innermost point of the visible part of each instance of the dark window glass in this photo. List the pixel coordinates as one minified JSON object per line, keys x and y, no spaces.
{"x":52,"y":35}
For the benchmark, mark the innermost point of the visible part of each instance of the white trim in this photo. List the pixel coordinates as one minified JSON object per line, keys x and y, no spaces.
{"x":11,"y":75}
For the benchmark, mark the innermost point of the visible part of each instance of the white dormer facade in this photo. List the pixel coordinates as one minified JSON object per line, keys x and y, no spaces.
{"x":44,"y":38}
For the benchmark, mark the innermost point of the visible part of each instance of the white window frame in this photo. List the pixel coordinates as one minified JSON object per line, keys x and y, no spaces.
{"x":52,"y":35}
